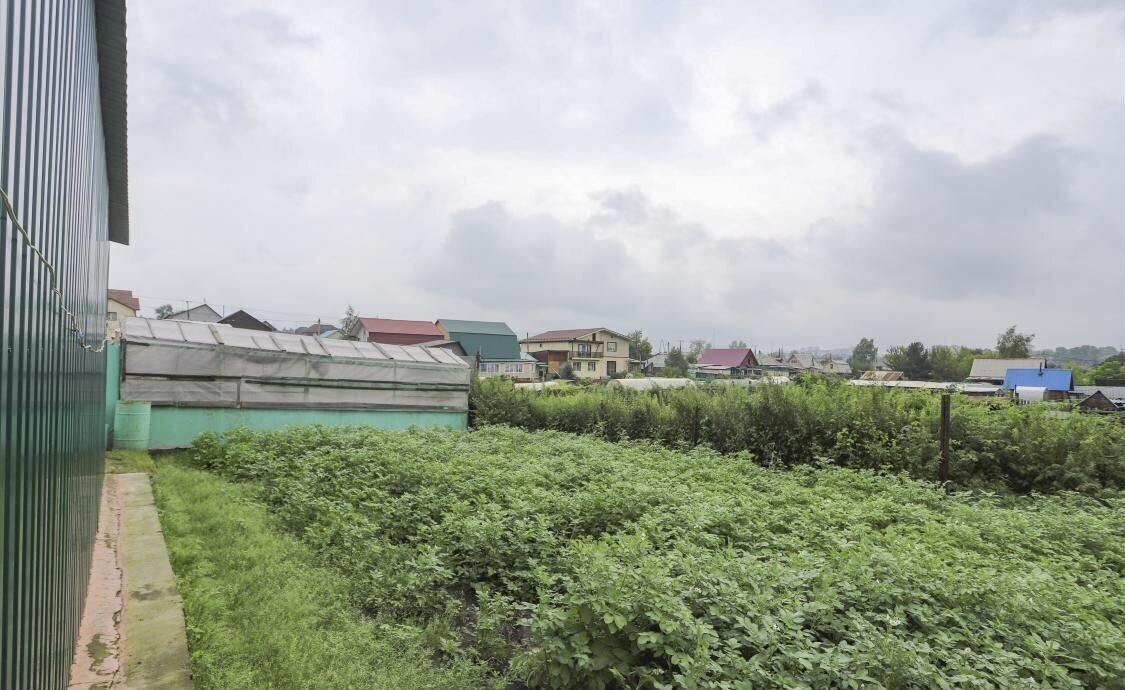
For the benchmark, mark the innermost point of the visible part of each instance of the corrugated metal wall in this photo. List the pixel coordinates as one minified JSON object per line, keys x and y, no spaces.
{"x":52,"y":424}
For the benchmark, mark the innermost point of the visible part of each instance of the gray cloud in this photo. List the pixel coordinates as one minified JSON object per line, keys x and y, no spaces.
{"x":949,"y":230}
{"x":785,"y":111}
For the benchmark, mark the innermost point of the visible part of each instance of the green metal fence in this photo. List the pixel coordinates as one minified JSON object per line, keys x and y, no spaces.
{"x":56,"y":138}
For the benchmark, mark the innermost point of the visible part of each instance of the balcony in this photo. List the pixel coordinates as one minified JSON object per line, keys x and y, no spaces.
{"x":587,"y":353}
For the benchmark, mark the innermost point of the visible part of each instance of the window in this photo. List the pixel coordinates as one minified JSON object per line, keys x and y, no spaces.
{"x":513,"y":368}
{"x":591,"y":366}
{"x":583,"y":349}
{"x":111,"y":316}
{"x":489,"y":368}
{"x":611,"y":346}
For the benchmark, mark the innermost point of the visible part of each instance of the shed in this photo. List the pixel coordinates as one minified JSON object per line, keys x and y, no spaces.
{"x":209,"y":377}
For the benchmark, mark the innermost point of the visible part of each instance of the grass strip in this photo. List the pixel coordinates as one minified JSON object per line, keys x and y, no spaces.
{"x":261,"y":614}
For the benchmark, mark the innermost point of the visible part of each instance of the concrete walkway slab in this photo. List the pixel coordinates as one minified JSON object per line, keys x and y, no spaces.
{"x":156,"y":656}
{"x":97,"y":663}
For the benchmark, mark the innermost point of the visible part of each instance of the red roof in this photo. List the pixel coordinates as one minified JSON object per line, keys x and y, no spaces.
{"x":569,"y":334}
{"x":402,"y":327}
{"x":727,"y":356}
{"x":125,"y":297}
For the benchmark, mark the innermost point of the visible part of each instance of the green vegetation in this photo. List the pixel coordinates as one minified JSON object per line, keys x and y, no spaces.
{"x":568,"y":562}
{"x":1109,"y":372}
{"x":262,"y":615}
{"x":995,"y":445}
{"x":123,"y":461}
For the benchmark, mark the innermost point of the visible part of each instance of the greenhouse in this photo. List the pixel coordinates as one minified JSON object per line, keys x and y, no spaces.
{"x":176,"y":379}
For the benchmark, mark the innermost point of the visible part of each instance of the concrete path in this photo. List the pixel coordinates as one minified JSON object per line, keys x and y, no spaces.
{"x":97,"y":656}
{"x":132,"y":634}
{"x":156,"y":656}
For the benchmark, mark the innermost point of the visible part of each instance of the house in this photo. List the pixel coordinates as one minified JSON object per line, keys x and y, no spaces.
{"x":493,"y":346}
{"x":837,"y":367}
{"x":394,"y":331}
{"x":986,"y":370}
{"x":591,"y":352}
{"x":881,"y":376}
{"x":1056,"y":383}
{"x":203,"y":313}
{"x":1097,"y":402}
{"x":119,"y":305}
{"x":1115,"y":394}
{"x":242,"y":319}
{"x":734,"y":362}
{"x":802,"y":362}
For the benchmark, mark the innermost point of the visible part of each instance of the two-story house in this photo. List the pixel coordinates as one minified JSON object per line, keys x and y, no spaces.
{"x":591,"y":352}
{"x":120,"y":304}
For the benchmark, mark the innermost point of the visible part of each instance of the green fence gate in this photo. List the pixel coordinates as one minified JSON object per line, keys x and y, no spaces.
{"x":62,"y":171}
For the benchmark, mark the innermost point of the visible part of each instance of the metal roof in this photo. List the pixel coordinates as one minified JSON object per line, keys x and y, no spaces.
{"x":479,"y":327}
{"x":726,"y":356}
{"x":110,"y":21}
{"x":215,"y":334}
{"x":566,"y":334}
{"x":402,"y":327}
{"x":1111,"y":392}
{"x":994,"y":369}
{"x":1051,"y":379}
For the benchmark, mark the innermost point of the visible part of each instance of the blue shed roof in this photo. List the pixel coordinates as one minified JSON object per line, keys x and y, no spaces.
{"x":1051,"y":379}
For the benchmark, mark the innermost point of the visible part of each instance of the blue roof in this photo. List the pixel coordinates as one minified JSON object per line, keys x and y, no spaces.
{"x":1051,"y":379}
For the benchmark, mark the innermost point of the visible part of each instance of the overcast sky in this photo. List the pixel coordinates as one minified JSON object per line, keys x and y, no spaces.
{"x":790,"y":174}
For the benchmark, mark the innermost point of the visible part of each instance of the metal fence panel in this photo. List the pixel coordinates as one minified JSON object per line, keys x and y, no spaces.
{"x":52,"y":422}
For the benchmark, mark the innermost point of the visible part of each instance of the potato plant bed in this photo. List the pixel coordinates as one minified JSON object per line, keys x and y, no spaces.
{"x":568,"y":562}
{"x":996,"y":445}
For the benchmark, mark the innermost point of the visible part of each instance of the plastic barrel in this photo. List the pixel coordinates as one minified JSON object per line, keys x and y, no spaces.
{"x":130,"y":426}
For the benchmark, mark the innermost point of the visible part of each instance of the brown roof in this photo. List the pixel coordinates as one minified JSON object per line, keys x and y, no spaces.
{"x":402,"y":327}
{"x":568,"y":334}
{"x":125,"y":297}
{"x":728,"y":356}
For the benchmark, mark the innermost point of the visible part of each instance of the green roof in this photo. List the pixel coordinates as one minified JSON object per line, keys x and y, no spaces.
{"x":479,"y":327}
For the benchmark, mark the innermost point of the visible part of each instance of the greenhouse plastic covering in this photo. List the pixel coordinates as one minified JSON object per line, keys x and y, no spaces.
{"x":211,"y":365}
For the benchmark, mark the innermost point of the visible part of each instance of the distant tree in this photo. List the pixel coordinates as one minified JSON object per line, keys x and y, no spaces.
{"x":951,"y":364}
{"x":1013,"y":345}
{"x":913,"y":361}
{"x":737,"y":344}
{"x":164,"y":311}
{"x":639,"y":346}
{"x":864,"y":355}
{"x":675,"y":364}
{"x":695,"y":349}
{"x":349,"y":323}
{"x":566,"y":371}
